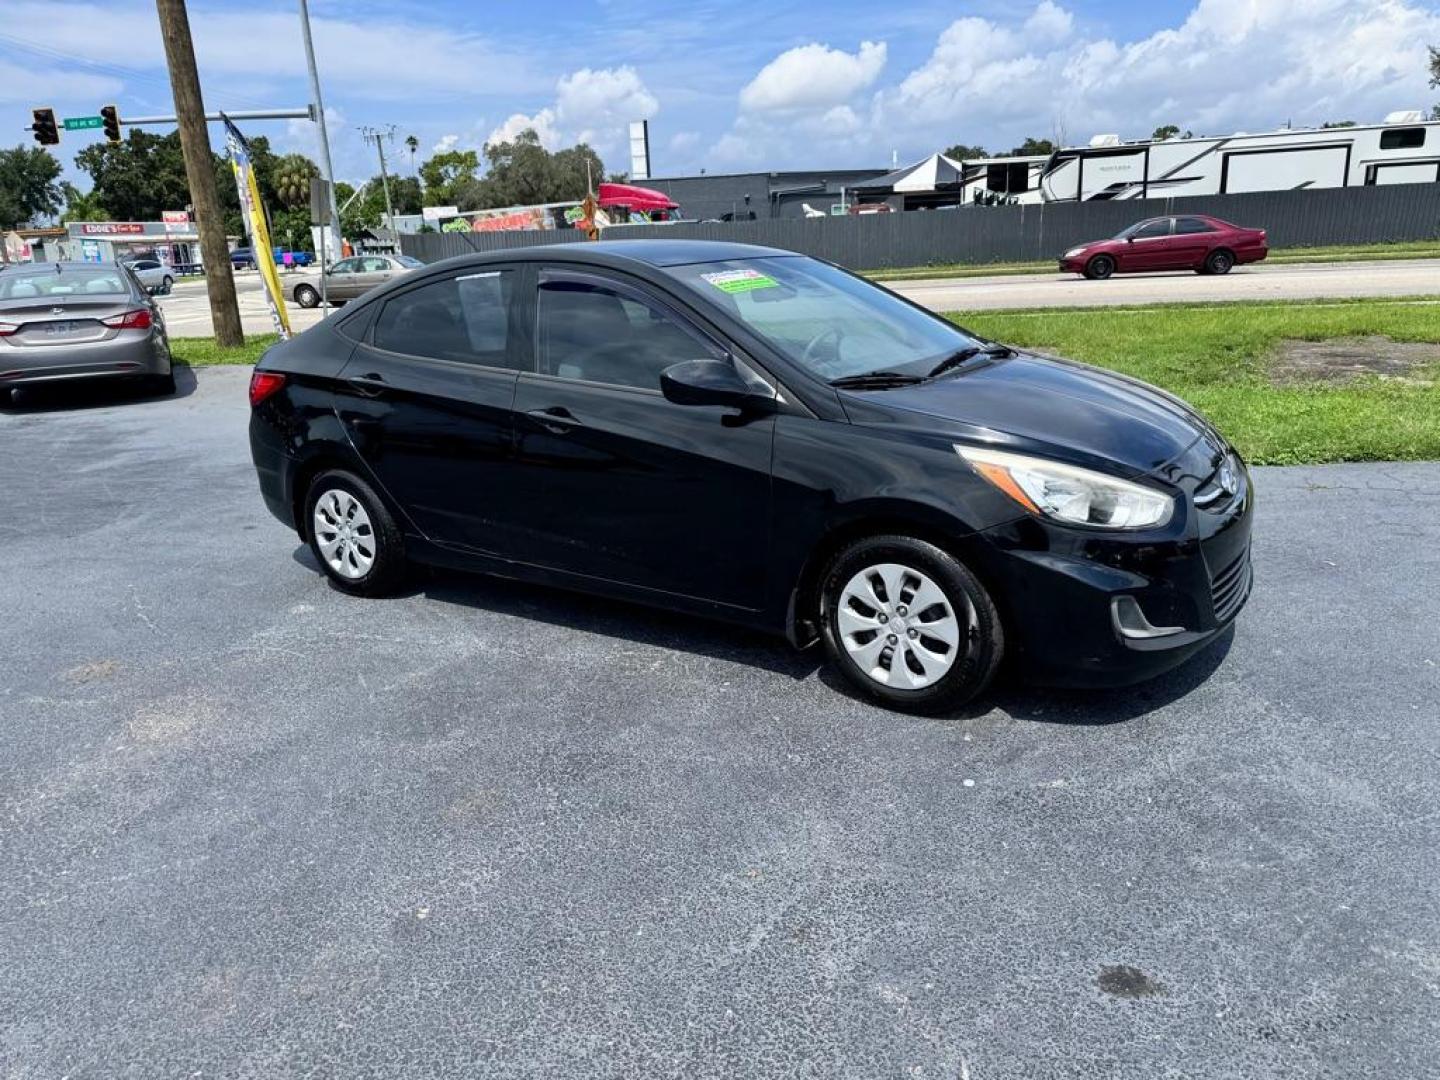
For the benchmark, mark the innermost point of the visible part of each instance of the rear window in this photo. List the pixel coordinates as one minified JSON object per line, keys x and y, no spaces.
{"x":28,"y":284}
{"x":1187,"y":226}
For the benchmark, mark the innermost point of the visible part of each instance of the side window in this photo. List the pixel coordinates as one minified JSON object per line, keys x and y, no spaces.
{"x":609,"y":334}
{"x":458,"y":318}
{"x":345,"y":266}
{"x":373,"y":265}
{"x":1153,"y":229}
{"x":1189,"y":226}
{"x":1402,"y":139}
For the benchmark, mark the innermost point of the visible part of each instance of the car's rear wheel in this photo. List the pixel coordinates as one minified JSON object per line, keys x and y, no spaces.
{"x":161,"y":385}
{"x":1099,"y":268}
{"x":353,"y":535}
{"x":1219,"y":262}
{"x":306,"y":296}
{"x":908,"y":625}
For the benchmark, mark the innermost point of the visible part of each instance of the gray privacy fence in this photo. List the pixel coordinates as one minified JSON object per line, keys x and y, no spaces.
{"x":1361,"y":215}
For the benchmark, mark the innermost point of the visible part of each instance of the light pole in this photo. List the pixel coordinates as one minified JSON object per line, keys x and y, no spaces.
{"x":329,"y":172}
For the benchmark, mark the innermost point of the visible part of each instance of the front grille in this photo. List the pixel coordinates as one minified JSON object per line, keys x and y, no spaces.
{"x":1230,"y":586}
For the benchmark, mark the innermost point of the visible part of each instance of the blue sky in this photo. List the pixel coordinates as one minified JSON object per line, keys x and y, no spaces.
{"x":731,"y":87}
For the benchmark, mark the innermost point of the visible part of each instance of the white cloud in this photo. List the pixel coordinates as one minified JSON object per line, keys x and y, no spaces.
{"x":37,"y":84}
{"x":592,"y":105}
{"x":1049,"y":22}
{"x":445,"y":144}
{"x":542,"y":123}
{"x":813,"y":76}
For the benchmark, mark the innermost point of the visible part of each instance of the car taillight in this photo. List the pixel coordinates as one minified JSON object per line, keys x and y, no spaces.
{"x":131,"y":320}
{"x":8,"y":328}
{"x":263,"y":384}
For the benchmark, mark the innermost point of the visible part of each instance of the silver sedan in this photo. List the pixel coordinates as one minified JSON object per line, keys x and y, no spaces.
{"x":349,"y":278}
{"x":69,"y":320}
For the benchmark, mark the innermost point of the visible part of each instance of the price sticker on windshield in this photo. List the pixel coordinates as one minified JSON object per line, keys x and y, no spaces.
{"x":736,"y":281}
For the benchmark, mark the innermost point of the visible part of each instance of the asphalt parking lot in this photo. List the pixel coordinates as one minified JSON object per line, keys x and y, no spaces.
{"x":251,"y":827}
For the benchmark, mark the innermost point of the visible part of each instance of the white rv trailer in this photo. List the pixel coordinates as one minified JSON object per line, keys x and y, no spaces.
{"x":1403,"y":150}
{"x":1012,"y":179}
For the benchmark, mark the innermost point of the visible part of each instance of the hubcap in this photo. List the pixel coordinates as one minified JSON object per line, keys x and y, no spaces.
{"x":899,"y":626}
{"x":343,"y":534}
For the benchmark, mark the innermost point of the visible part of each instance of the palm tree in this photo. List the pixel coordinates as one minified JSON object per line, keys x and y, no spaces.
{"x":412,"y":144}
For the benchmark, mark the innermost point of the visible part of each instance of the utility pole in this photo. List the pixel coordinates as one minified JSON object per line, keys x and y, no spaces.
{"x":378,"y":138}
{"x":200,"y":171}
{"x":328,"y":171}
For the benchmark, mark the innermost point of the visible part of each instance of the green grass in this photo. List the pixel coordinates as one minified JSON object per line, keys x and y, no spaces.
{"x":1416,"y":249}
{"x":203,"y":352}
{"x":1215,"y":356}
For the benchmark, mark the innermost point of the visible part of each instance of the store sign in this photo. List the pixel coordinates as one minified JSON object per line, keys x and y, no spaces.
{"x":439,"y":213}
{"x":176,"y":221}
{"x":112,"y":228}
{"x":530,"y":217}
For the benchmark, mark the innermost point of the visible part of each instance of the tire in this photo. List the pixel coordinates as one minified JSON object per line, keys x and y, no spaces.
{"x":1219,"y":261}
{"x":306,"y":296}
{"x":161,"y":385}
{"x":909,"y":671}
{"x":369,"y":561}
{"x":1100,"y":267}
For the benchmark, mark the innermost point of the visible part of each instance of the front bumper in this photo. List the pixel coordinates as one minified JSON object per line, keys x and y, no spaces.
{"x":1071,"y":597}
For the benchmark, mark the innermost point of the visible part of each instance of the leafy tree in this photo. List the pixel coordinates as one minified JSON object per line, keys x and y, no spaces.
{"x":290,"y":177}
{"x":445,"y":172}
{"x":1034,"y":148}
{"x":1170,"y":131}
{"x":1434,"y":66}
{"x":290,"y":227}
{"x":28,"y":185}
{"x":137,"y":178}
{"x":522,"y":172}
{"x":618,"y":178}
{"x":81,"y":205}
{"x":412,"y":144}
{"x":963,"y":152}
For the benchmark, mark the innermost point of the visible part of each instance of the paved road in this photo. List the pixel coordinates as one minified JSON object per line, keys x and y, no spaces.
{"x":250,"y":827}
{"x":1274,"y":281}
{"x":187,"y":311}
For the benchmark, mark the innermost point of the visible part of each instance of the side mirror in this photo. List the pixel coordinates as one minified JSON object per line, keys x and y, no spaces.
{"x":1129,"y":239}
{"x":711,"y":382}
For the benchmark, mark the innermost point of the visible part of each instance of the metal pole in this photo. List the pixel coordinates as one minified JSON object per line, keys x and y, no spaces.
{"x":385,"y":180}
{"x":328,"y":171}
{"x":245,"y":114}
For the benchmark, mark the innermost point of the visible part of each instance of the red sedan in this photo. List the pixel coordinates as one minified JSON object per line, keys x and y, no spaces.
{"x":1206,"y":245}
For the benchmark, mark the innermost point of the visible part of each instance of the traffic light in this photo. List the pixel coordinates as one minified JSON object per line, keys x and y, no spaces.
{"x":46,"y":133}
{"x":110,"y":114}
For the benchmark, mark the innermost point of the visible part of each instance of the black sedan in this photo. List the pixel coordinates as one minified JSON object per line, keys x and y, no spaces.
{"x":757,"y":436}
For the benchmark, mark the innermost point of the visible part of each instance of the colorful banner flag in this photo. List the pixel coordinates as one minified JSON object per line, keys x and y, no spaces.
{"x":254,"y":215}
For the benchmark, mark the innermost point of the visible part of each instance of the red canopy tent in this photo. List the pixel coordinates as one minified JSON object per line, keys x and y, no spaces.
{"x":635,"y":198}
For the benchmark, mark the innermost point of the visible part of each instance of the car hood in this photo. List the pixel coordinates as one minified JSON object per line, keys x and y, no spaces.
{"x":1051,"y":407}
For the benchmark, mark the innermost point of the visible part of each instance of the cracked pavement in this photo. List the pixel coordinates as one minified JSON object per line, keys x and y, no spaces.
{"x":251,"y":827}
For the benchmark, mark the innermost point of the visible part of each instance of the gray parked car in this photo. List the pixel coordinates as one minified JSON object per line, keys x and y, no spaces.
{"x":153,"y":274}
{"x":70,"y":320}
{"x":349,"y":278}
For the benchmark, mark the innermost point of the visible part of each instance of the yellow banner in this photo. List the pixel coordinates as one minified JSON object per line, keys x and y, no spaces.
{"x":249,"y":193}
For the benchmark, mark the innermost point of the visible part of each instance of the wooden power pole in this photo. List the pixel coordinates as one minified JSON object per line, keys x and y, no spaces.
{"x":200,"y":171}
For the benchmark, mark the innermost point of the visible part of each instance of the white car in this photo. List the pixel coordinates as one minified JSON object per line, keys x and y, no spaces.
{"x":154,"y":275}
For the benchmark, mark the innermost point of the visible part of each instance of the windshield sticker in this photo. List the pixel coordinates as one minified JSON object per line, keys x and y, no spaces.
{"x":733,"y":281}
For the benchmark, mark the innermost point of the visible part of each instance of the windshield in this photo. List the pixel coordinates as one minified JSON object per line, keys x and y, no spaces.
{"x":827,"y":321}
{"x":31,"y":284}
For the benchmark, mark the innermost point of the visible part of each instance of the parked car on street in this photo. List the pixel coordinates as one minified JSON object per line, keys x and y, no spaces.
{"x":1196,"y":242}
{"x":72,"y":320}
{"x":243,"y":258}
{"x":349,"y":278}
{"x":757,"y":436}
{"x":153,"y":274}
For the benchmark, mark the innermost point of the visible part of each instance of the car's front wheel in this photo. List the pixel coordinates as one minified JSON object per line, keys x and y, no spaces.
{"x":1099,"y":268}
{"x":907,"y":624}
{"x":307,"y":297}
{"x":353,"y":535}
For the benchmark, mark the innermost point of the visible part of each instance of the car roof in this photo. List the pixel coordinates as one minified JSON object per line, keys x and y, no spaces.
{"x":659,"y":254}
{"x":63,"y":264}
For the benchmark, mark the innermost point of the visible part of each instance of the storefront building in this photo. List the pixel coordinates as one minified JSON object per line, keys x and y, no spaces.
{"x":174,"y":241}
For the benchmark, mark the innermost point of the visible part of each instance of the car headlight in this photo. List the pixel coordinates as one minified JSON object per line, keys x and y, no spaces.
{"x":1074,"y":251}
{"x":1073,"y":495}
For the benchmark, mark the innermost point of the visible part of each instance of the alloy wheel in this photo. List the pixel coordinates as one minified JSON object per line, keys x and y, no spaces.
{"x":343,"y":534}
{"x":900,"y":628}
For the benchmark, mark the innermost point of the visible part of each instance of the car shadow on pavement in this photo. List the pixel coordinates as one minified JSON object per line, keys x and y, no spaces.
{"x":686,"y":633}
{"x":610,"y":618}
{"x":91,"y":394}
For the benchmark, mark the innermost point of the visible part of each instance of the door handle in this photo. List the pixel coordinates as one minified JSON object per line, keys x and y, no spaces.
{"x":556,"y":419}
{"x":371,"y":385}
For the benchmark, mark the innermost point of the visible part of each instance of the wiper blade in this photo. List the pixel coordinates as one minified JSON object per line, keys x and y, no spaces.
{"x":875,"y":380}
{"x":955,"y":359}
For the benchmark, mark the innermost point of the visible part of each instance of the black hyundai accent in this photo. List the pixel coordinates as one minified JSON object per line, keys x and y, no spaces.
{"x":761,"y":437}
